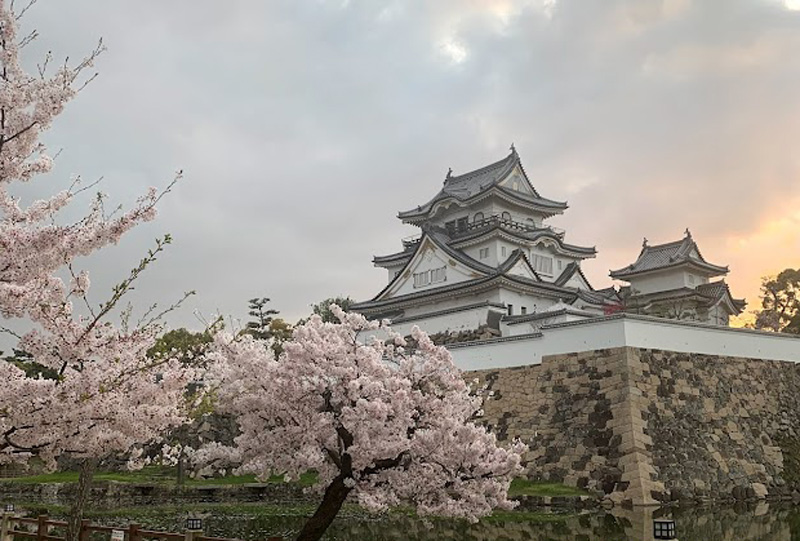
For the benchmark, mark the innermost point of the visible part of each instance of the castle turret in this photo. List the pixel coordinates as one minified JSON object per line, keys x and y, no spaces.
{"x":674,"y":280}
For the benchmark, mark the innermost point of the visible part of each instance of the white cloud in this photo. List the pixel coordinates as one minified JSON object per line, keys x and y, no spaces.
{"x":454,"y":51}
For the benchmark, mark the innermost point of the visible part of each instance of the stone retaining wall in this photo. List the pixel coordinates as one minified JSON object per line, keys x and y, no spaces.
{"x":643,"y":426}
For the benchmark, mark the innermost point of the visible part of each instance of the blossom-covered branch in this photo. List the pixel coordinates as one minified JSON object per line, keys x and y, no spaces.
{"x":106,"y":396}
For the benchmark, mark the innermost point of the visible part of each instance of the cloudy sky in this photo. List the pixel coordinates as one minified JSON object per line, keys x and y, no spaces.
{"x":304,"y":126}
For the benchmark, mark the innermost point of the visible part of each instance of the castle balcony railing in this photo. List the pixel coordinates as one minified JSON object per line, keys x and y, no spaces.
{"x":459,"y":229}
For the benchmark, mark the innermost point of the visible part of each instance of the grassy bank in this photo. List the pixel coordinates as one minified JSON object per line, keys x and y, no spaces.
{"x":165,"y":476}
{"x":152,"y":475}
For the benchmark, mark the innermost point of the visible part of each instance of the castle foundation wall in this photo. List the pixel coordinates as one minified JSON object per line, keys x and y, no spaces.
{"x":644,"y":426}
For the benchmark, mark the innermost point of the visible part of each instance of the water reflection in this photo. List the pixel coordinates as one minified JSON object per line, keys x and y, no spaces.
{"x":754,"y":523}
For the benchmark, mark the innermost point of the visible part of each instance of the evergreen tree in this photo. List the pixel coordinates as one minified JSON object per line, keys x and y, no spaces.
{"x":259,"y":328}
{"x":780,"y":303}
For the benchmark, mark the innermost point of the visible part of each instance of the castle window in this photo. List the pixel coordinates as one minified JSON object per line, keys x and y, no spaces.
{"x":510,"y":309}
{"x":502,"y":251}
{"x":515,"y":185}
{"x":450,"y":226}
{"x":506,"y":216}
{"x":478,"y":217}
{"x":426,"y":278}
{"x":542,"y":263}
{"x":484,"y":253}
{"x":523,"y":310}
{"x":422,"y":279}
{"x":560,"y":264}
{"x":461,"y":224}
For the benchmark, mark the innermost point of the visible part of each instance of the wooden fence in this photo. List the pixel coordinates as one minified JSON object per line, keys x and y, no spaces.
{"x":16,"y":528}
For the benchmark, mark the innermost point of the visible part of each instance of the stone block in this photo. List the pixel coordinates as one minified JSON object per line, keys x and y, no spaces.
{"x":759,"y":490}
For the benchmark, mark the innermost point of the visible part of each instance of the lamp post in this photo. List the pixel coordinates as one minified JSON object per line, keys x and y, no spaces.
{"x":664,"y":529}
{"x":194,"y":528}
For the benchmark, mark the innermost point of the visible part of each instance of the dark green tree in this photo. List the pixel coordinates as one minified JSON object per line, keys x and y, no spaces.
{"x":187,"y":345}
{"x":259,"y":327}
{"x":281,"y":332}
{"x":323,"y":309}
{"x":780,"y":303}
{"x":32,"y":369}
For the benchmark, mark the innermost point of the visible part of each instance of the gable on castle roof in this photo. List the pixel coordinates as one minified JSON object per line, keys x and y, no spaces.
{"x":432,"y":253}
{"x":669,"y":255}
{"x":469,"y":186}
{"x":720,"y":292}
{"x":517,"y":264}
{"x":573,"y":273}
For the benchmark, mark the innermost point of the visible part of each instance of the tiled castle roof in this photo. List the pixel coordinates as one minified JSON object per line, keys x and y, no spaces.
{"x":466,"y":186}
{"x":670,"y":254}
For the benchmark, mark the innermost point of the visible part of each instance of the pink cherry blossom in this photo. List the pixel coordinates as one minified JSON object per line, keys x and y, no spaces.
{"x":385,"y":425}
{"x":108,"y":396}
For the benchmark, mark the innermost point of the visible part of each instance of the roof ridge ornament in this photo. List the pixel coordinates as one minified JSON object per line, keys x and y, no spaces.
{"x":688,"y":233}
{"x":513,"y":149}
{"x":644,"y":242}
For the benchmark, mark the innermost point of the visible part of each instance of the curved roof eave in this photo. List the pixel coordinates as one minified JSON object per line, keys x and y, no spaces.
{"x":546,"y":289}
{"x":625,"y":272}
{"x":588,"y":251}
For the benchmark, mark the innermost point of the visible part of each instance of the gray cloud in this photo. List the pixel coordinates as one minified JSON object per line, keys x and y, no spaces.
{"x":304,"y":126}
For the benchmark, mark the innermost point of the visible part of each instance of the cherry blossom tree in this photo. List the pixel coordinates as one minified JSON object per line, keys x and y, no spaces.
{"x":385,"y":425}
{"x":107,"y":396}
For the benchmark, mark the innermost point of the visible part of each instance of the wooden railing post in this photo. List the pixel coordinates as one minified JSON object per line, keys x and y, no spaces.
{"x":7,"y":526}
{"x":133,"y":532}
{"x":84,"y":532}
{"x":41,"y":527}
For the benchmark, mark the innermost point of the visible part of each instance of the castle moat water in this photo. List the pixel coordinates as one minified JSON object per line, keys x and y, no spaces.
{"x":751,"y":522}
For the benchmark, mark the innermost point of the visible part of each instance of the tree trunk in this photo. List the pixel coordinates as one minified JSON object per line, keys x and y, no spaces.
{"x":181,"y":474}
{"x":79,"y":503}
{"x":335,"y":495}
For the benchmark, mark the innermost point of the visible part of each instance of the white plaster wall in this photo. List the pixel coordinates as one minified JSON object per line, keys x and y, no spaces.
{"x":521,"y":329}
{"x":638,"y":331}
{"x":456,"y":302}
{"x":474,"y":252}
{"x":533,"y":304}
{"x":712,"y":340}
{"x":459,"y":321}
{"x":394,"y":269}
{"x":662,"y":281}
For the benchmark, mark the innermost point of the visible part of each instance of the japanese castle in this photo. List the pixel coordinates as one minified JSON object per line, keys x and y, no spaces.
{"x":485,"y":258}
